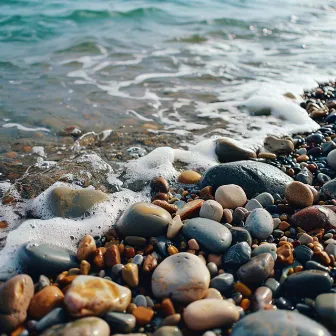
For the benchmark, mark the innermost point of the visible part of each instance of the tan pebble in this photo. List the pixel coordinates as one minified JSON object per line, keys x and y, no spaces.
{"x":202,"y":259}
{"x":305,"y":239}
{"x":278,"y":146}
{"x":227,"y":214}
{"x":131,"y":307}
{"x":130,"y":274}
{"x":45,"y":301}
{"x":85,"y":267}
{"x":190,"y":209}
{"x":212,"y":210}
{"x":189,"y":177}
{"x":298,"y":194}
{"x":210,"y":313}
{"x":230,"y":196}
{"x":150,"y":263}
{"x":206,"y":193}
{"x":98,"y":259}
{"x":171,"y":208}
{"x":86,"y":248}
{"x":192,"y":243}
{"x":89,"y":295}
{"x":172,"y":320}
{"x":74,"y":271}
{"x":112,"y":256}
{"x":143,"y":315}
{"x":266,"y":155}
{"x":213,"y":293}
{"x":174,"y":227}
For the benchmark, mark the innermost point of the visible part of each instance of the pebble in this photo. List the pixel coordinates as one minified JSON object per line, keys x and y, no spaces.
{"x":210,"y":313}
{"x":86,"y":248}
{"x":240,"y":235}
{"x":265,"y":199}
{"x":257,"y":270}
{"x":140,"y":301}
{"x":278,"y":146}
{"x":44,"y":301}
{"x":254,"y":177}
{"x":213,"y":269}
{"x":35,"y":257}
{"x":172,"y":320}
{"x":42,"y":282}
{"x":325,"y":306}
{"x":213,"y":236}
{"x":285,"y":254}
{"x":329,"y":188}
{"x":212,"y":210}
{"x":303,"y":254}
{"x":238,"y":254}
{"x":181,"y":276}
{"x":273,"y":285}
{"x":130,"y":274}
{"x":223,"y":283}
{"x":144,"y":220}
{"x":308,"y":283}
{"x":230,"y":196}
{"x":193,"y":245}
{"x":174,"y":227}
{"x":228,"y":151}
{"x":305,"y":176}
{"x":66,"y":202}
{"x":259,"y":223}
{"x":262,"y":296}
{"x":89,"y":295}
{"x":213,"y":293}
{"x":305,"y":239}
{"x":120,"y":322}
{"x":168,"y":331}
{"x":332,"y":159}
{"x":112,"y":256}
{"x":278,"y":323}
{"x":150,"y":263}
{"x":138,"y":260}
{"x":84,"y":326}
{"x":159,"y":185}
{"x":143,"y":315}
{"x":189,"y":177}
{"x":190,"y":209}
{"x":331,"y":249}
{"x":252,"y":204}
{"x":266,"y":248}
{"x":14,"y":312}
{"x":135,"y":241}
{"x":56,"y":316}
{"x":299,"y":194}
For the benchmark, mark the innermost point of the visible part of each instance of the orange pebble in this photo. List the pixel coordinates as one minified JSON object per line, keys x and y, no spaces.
{"x":242,"y":288}
{"x":298,"y":269}
{"x":18,"y":331}
{"x":167,"y":307}
{"x":143,"y":315}
{"x":129,"y":252}
{"x":245,"y":304}
{"x":290,"y":271}
{"x":172,"y":250}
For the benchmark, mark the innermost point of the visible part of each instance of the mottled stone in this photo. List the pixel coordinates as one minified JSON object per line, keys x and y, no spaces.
{"x":259,"y":223}
{"x":120,"y":322}
{"x":210,"y":313}
{"x":237,"y":254}
{"x":212,"y":235}
{"x":86,"y":248}
{"x":299,"y":194}
{"x":212,"y":210}
{"x":253,"y":177}
{"x":182,"y":276}
{"x":278,"y":146}
{"x":144,"y":220}
{"x":229,"y":151}
{"x":285,"y":254}
{"x":257,"y":270}
{"x":278,"y":323}
{"x":89,"y":295}
{"x":66,"y":202}
{"x":230,"y":196}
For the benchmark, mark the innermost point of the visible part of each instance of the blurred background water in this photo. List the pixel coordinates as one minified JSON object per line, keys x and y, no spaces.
{"x":103,"y":64}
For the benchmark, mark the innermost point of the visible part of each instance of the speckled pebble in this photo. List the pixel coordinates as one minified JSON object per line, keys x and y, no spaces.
{"x":212,"y":210}
{"x":259,"y":223}
{"x":237,"y":254}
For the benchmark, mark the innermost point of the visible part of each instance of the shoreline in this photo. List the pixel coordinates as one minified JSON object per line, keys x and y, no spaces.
{"x":257,"y":267}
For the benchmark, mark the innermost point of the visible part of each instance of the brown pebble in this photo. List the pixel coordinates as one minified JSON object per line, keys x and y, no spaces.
{"x":266,"y":155}
{"x":131,"y":308}
{"x":159,"y":185}
{"x":189,"y":177}
{"x":206,"y":193}
{"x":284,"y":226}
{"x":302,"y":158}
{"x":148,"y":249}
{"x":190,"y":209}
{"x":167,"y":307}
{"x":45,"y":301}
{"x":323,"y":257}
{"x":129,"y":252}
{"x":85,"y":267}
{"x":136,"y":241}
{"x":143,"y":315}
{"x":299,"y":194}
{"x":86,"y":248}
{"x":160,"y":196}
{"x":171,"y":208}
{"x":130,"y":274}
{"x":98,"y":259}
{"x":172,"y":250}
{"x":227,"y":215}
{"x":112,"y":256}
{"x":172,"y":320}
{"x":150,"y":263}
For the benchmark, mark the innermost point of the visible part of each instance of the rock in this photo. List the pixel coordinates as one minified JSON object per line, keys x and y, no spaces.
{"x":143,"y":315}
{"x":229,"y":151}
{"x":159,"y":185}
{"x":240,"y":235}
{"x":130,"y":274}
{"x":252,"y":204}
{"x":259,"y":223}
{"x":35,"y":257}
{"x":172,"y":320}
{"x":66,"y":202}
{"x":212,"y":235}
{"x":182,"y":276}
{"x":305,"y":239}
{"x":89,"y":295}
{"x":266,"y":248}
{"x":253,"y":177}
{"x":257,"y":270}
{"x":85,"y":327}
{"x":56,"y":316}
{"x":331,"y":249}
{"x":305,"y":176}
{"x":168,"y":331}
{"x":329,"y":188}
{"x":15,"y":297}
{"x":285,"y":254}
{"x":86,"y":248}
{"x":238,"y":254}
{"x":189,"y":177}
{"x":325,"y":306}
{"x":120,"y":322}
{"x":278,"y":323}
{"x":309,"y":283}
{"x":262,"y":297}
{"x":45,"y":301}
{"x":230,"y":196}
{"x":213,"y":293}
{"x":278,"y":146}
{"x":223,"y":283}
{"x":190,"y":209}
{"x":314,"y":217}
{"x":332,"y":159}
{"x":212,"y":210}
{"x":265,"y":199}
{"x":144,"y":220}
{"x":303,"y":254}
{"x":174,"y":227}
{"x":210,"y":313}
{"x":112,"y":256}
{"x":273,"y":285}
{"x":299,"y":194}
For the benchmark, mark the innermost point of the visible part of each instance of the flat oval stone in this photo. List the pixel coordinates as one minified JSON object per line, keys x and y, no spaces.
{"x":309,"y":283}
{"x":325,"y":306}
{"x":223,"y":283}
{"x":84,"y":327}
{"x":299,"y":194}
{"x":230,"y":196}
{"x":265,"y":248}
{"x":259,"y":223}
{"x":212,"y":235}
{"x":212,"y":210}
{"x":229,"y":151}
{"x":253,"y":177}
{"x":278,"y":323}
{"x":257,"y":270}
{"x":66,"y":202}
{"x":238,"y":254}
{"x":144,"y":220}
{"x":120,"y":322}
{"x":189,"y":177}
{"x":210,"y":313}
{"x":89,"y":295}
{"x":183,"y":276}
{"x":35,"y":257}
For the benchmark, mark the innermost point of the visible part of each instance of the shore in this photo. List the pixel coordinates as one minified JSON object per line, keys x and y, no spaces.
{"x":243,"y":244}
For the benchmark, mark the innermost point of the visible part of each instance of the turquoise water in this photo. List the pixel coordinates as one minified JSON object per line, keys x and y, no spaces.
{"x":103,"y":64}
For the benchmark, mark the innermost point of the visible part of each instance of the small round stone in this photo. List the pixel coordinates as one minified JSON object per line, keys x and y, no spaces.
{"x":299,"y":194}
{"x":189,"y":177}
{"x":265,"y":199}
{"x":332,"y":159}
{"x":238,"y":254}
{"x":140,"y":301}
{"x":212,"y":210}
{"x":259,"y":223}
{"x":230,"y":196}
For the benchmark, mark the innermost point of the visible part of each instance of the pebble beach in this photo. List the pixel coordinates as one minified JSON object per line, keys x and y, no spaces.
{"x":242,"y":245}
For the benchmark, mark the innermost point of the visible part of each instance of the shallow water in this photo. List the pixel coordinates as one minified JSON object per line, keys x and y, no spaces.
{"x":185,"y":65}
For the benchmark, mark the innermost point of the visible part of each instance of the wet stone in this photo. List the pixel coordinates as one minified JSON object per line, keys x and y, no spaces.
{"x":223,"y":283}
{"x":262,"y":296}
{"x":189,"y":177}
{"x":120,"y":322}
{"x":140,"y":301}
{"x":56,"y":316}
{"x":273,"y":285}
{"x":313,"y":265}
{"x":259,"y":223}
{"x":325,"y":305}
{"x":278,"y":146}
{"x":238,"y":254}
{"x":240,"y":235}
{"x":265,"y":199}
{"x":228,"y":151}
{"x":168,"y":331}
{"x":303,"y":253}
{"x":265,"y":248}
{"x":230,"y":196}
{"x":252,"y":204}
{"x":212,"y":210}
{"x":329,"y":188}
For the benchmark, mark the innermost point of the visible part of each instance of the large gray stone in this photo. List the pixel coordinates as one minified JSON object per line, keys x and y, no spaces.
{"x":254,"y":177}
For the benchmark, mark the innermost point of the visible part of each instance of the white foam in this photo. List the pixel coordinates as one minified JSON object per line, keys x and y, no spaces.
{"x":24,"y":128}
